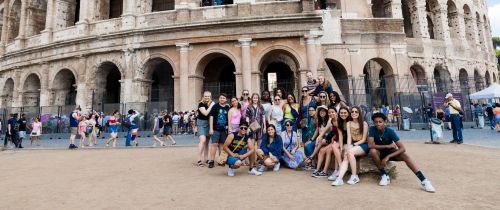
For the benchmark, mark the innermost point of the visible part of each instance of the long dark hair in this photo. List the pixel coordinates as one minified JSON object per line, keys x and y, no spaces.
{"x":360,"y":120}
{"x":340,"y":122}
{"x":337,"y":98}
{"x":262,"y":99}
{"x":322,"y":121}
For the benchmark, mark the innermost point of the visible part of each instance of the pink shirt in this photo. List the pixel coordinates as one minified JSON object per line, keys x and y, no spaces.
{"x":37,"y":126}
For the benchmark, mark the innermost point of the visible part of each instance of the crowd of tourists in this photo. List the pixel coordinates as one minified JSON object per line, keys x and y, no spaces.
{"x":266,"y":131}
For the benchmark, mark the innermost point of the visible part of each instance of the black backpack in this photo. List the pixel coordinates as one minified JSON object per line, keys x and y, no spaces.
{"x":160,"y":122}
{"x":126,"y":122}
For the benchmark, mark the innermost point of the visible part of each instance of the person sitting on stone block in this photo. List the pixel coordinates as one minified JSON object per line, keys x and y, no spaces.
{"x":384,"y":145}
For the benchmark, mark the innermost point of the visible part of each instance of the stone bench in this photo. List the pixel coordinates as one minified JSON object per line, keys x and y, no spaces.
{"x":366,"y":165}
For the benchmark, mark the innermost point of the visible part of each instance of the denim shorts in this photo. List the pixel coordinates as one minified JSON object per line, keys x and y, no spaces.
{"x":219,"y":137}
{"x":202,"y":127}
{"x":365,"y":148}
{"x":232,"y":160}
{"x":113,"y":129}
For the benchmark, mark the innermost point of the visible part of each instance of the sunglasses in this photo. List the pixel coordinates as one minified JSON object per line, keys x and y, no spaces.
{"x":243,"y":128}
{"x":354,"y":111}
{"x":322,"y":96}
{"x":305,"y":90}
{"x":288,"y":125}
{"x":245,"y":94}
{"x":277,"y":99}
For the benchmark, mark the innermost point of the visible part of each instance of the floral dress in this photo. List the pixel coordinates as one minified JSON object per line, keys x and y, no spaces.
{"x":256,"y":114}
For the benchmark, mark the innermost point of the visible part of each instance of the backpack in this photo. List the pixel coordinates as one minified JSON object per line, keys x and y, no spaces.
{"x":126,"y":122}
{"x":160,"y":122}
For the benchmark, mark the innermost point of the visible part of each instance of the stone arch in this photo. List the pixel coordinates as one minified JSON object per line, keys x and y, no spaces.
{"x":107,"y":83}
{"x":379,"y":81}
{"x":419,"y":76}
{"x":14,"y":20}
{"x":99,"y":62}
{"x":407,"y":8}
{"x":8,"y":93}
{"x":442,"y":78}
{"x":430,"y":27}
{"x":156,"y":56}
{"x":36,"y":15}
{"x":453,"y":20}
{"x":64,"y":88}
{"x":162,"y":5}
{"x":381,"y":9}
{"x":340,"y":75}
{"x":284,"y":48}
{"x":31,"y":90}
{"x":108,"y":9}
{"x":278,"y":69}
{"x":487,"y":78}
{"x":432,"y":8}
{"x":469,"y":24}
{"x":201,"y":60}
{"x":487,"y":33}
{"x":479,"y":80}
{"x":494,"y":78}
{"x":160,"y":87}
{"x":463,"y":78}
{"x":218,"y":71}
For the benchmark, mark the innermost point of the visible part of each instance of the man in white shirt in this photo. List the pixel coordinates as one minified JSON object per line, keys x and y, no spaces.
{"x":455,"y":112}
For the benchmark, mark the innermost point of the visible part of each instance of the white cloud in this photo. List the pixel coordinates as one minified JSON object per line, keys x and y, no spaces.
{"x":494,"y":13}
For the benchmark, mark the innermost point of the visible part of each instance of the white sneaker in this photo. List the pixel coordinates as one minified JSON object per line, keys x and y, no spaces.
{"x":154,"y":145}
{"x":426,"y":184}
{"x":276,"y":167}
{"x":384,"y":180}
{"x":254,"y":172}
{"x":262,"y":168}
{"x":334,"y":176}
{"x":338,"y":182}
{"x":353,"y":180}
{"x":230,"y":172}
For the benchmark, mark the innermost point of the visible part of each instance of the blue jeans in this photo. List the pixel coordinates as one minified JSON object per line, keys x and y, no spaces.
{"x":492,"y":121}
{"x":456,"y":126}
{"x":309,"y":149}
{"x":129,"y":135}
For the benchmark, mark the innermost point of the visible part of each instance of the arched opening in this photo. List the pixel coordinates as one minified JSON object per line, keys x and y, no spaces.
{"x":442,"y":77}
{"x":7,"y":94}
{"x":453,"y":20}
{"x":107,"y":84}
{"x":163,"y":5}
{"x":339,"y":73}
{"x":218,"y":73}
{"x":479,"y":80}
{"x":480,"y":29}
{"x":14,"y":20}
{"x":381,"y":9}
{"x":487,"y":32}
{"x":487,"y":78}
{"x":64,"y":87}
{"x":1,"y":22}
{"x":494,"y":78}
{"x":69,"y":13}
{"x":469,"y":24}
{"x":407,"y":18}
{"x":108,"y":9}
{"x":162,"y":83}
{"x":31,"y":91}
{"x":115,"y":8}
{"x":278,"y":69}
{"x":463,"y":78}
{"x":380,"y":85}
{"x":432,"y":8}
{"x":418,"y":75}
{"x":36,"y":15}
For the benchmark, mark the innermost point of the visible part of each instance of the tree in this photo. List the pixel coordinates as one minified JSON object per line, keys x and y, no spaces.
{"x":496,"y":42}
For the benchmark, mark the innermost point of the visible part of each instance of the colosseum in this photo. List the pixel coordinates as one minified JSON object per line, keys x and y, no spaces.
{"x":107,"y":53}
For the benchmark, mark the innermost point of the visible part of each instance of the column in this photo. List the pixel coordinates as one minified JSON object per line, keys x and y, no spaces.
{"x":5,"y":25}
{"x":311,"y":54}
{"x":44,"y":85}
{"x":82,"y":98}
{"x":246,"y":63}
{"x":128,"y":16}
{"x":419,"y":20}
{"x":17,"y":95}
{"x":49,"y":22}
{"x":442,"y":24}
{"x":396,"y":10}
{"x":85,"y":17}
{"x":22,"y":24}
{"x":185,"y":96}
{"x":461,"y":26}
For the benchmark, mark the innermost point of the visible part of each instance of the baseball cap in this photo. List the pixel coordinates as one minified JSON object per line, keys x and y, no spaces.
{"x":448,"y":95}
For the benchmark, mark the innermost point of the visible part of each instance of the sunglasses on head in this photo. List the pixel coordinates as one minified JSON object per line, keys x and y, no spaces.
{"x":243,"y":128}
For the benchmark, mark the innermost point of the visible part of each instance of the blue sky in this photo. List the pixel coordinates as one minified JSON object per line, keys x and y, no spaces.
{"x":494,"y":13}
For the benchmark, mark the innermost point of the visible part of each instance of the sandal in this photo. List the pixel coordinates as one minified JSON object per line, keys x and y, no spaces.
{"x":200,"y":164}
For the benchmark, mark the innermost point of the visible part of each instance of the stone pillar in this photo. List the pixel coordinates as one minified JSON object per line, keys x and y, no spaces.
{"x":82,"y":96}
{"x":396,"y":10}
{"x":480,"y":34}
{"x":441,"y":23}
{"x":186,"y":97}
{"x":49,"y":22}
{"x":461,"y":26}
{"x":311,"y":54}
{"x":128,"y":16}
{"x":5,"y":26}
{"x":20,"y":39}
{"x":44,"y":85}
{"x":419,"y":20}
{"x":246,"y":63}
{"x":17,"y":95}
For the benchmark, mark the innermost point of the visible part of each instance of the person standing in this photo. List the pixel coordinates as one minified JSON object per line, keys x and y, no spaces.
{"x":157,"y":126}
{"x":133,"y":127}
{"x":204,"y":108}
{"x":73,"y":125}
{"x":22,"y":122}
{"x":113,"y":123}
{"x":175,"y":125}
{"x":496,"y":111}
{"x":12,"y":130}
{"x":218,"y":127}
{"x":244,"y":101}
{"x":429,"y":111}
{"x":167,"y":129}
{"x":491,"y":116}
{"x":234,"y":115}
{"x":275,"y":115}
{"x":36,"y":131}
{"x":91,"y":129}
{"x":456,"y":119}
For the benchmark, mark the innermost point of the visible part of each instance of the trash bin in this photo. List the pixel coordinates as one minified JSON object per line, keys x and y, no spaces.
{"x":437,"y":129}
{"x":480,"y":121}
{"x":406,"y":123}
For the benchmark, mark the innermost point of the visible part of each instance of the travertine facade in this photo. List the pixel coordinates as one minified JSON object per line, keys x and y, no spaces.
{"x":58,"y":52}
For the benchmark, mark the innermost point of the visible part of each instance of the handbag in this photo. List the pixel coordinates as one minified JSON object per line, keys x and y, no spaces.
{"x":255,"y":126}
{"x":223,"y":155}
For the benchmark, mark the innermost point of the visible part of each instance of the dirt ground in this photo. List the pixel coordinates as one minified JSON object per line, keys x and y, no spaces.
{"x":465,"y":177}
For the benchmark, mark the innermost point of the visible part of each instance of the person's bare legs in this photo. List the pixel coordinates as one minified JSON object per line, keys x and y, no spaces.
{"x":213,"y":149}
{"x":352,"y":154}
{"x":337,"y":154}
{"x":328,"y":158}
{"x":321,"y":157}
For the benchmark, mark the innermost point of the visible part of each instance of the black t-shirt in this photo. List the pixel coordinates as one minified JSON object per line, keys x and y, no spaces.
{"x":220,"y":116}
{"x":167,"y":121}
{"x":200,"y":115}
{"x":239,"y":143}
{"x":429,"y":111}
{"x":22,"y":124}
{"x":489,"y":111}
{"x":14,"y":126}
